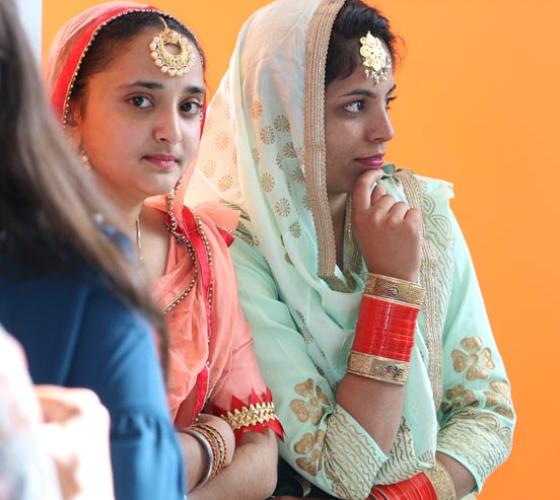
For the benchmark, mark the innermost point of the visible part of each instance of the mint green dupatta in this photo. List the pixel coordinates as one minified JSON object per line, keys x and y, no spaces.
{"x":263,"y":151}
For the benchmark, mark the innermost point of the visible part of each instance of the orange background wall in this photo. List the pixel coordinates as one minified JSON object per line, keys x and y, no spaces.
{"x":478,"y":105}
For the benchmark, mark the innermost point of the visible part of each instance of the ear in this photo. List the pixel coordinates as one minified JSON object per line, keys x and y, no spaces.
{"x":73,"y":125}
{"x":74,"y":115}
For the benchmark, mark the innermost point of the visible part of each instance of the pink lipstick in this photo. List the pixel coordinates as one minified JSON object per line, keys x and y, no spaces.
{"x":162,"y":161}
{"x":375,"y":161}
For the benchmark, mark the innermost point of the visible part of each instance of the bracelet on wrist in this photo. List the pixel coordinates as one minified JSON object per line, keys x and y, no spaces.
{"x":385,"y":329}
{"x":217,"y":443}
{"x":442,"y":482}
{"x":201,"y":439}
{"x":378,"y":368}
{"x":396,"y":289}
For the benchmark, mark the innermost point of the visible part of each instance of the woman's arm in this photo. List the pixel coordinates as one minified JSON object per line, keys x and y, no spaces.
{"x":251,"y":475}
{"x":115,"y":356}
{"x":476,"y":414}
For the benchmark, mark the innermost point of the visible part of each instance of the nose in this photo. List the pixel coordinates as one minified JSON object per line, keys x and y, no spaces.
{"x":168,"y":127}
{"x":381,"y":127}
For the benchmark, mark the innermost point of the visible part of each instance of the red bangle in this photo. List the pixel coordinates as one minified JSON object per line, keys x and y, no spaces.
{"x":385,"y":329}
{"x":418,"y":487}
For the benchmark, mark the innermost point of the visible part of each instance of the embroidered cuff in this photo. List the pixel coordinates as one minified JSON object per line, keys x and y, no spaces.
{"x":255,"y":416}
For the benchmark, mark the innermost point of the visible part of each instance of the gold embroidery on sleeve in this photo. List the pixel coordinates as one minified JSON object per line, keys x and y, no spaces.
{"x":254,"y":414}
{"x":313,"y":404}
{"x":498,"y":399}
{"x":476,"y":361}
{"x":310,"y":446}
{"x":458,"y":397}
{"x":350,"y":461}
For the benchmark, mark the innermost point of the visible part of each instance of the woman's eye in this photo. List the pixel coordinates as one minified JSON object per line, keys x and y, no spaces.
{"x":191,"y":107}
{"x":140,"y":101}
{"x":388,"y":101}
{"x":354,"y":107}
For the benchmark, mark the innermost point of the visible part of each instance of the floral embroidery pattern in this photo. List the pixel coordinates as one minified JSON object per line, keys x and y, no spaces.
{"x":282,"y":207}
{"x":313,"y":404}
{"x":297,"y":176}
{"x":288,"y":150}
{"x":458,"y":397}
{"x":498,"y":399}
{"x":209,"y":168}
{"x":475,"y":360}
{"x":225,"y":183}
{"x":267,"y":135}
{"x":267,"y":182}
{"x":305,"y":202}
{"x":256,"y":156}
{"x":282,"y":124}
{"x":279,"y":161}
{"x":256,"y":110}
{"x":222,"y":141}
{"x":295,"y":230}
{"x":311,"y":447}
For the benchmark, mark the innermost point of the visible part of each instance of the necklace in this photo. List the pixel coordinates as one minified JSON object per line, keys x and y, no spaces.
{"x":139,"y":239}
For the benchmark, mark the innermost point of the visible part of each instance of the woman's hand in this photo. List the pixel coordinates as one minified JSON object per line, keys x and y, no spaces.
{"x":225,"y":430}
{"x":388,"y":233}
{"x":76,"y":434}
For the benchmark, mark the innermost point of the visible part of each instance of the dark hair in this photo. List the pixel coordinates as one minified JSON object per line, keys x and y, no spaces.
{"x":47,"y":206}
{"x":353,"y":21}
{"x":116,"y":34}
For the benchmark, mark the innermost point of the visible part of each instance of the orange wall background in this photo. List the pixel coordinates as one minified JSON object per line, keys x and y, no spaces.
{"x":478,"y":105}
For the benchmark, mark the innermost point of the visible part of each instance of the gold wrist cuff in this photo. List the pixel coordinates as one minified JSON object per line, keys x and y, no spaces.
{"x":394,"y":288}
{"x":378,"y":368}
{"x":442,"y":482}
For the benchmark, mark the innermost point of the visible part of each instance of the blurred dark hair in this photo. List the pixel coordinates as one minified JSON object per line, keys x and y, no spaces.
{"x":114,"y":36}
{"x":353,"y":21}
{"x":48,"y":206}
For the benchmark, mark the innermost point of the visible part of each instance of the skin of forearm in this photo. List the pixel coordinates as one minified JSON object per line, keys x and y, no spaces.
{"x":196,"y":461}
{"x":375,"y":405}
{"x":462,"y":479}
{"x":251,"y":475}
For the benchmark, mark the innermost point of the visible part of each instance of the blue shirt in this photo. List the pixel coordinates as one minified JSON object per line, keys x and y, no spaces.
{"x":78,"y":334}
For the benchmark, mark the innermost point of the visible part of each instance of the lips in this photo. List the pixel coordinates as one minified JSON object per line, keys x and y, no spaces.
{"x":163,"y":161}
{"x":375,"y":161}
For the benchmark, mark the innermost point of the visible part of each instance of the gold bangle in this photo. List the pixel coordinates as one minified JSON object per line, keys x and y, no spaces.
{"x":378,"y":368}
{"x":442,"y":482}
{"x":386,"y":287}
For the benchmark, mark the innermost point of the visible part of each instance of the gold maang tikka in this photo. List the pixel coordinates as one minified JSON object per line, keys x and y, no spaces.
{"x":375,"y":59}
{"x":178,"y":64}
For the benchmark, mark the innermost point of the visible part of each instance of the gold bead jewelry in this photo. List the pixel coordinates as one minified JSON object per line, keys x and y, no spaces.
{"x":375,"y":59}
{"x":172,"y":64}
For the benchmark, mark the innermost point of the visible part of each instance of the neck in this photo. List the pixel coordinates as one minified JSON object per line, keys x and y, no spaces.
{"x":337,"y":204}
{"x":129,"y":207}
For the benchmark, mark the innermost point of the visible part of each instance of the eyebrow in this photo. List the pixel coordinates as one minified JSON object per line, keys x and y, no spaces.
{"x":190,"y":89}
{"x":367,"y":92}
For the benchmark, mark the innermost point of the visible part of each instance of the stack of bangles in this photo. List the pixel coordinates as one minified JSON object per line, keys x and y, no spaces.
{"x":213,"y":444}
{"x":385,"y":329}
{"x":434,"y":484}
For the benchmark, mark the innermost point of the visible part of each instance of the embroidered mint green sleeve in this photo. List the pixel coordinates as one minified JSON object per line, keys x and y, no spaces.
{"x":322,"y":441}
{"x":476,"y":414}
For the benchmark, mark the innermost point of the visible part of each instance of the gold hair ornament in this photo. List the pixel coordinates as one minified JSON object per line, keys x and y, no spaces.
{"x":178,"y":64}
{"x":375,"y":59}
